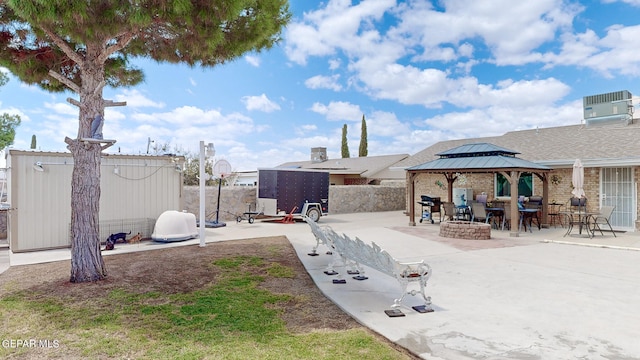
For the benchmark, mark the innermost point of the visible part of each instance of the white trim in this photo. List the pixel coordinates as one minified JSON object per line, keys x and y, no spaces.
{"x":614,"y":162}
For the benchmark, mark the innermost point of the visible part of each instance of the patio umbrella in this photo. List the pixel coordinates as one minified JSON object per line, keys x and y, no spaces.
{"x":578,"y":179}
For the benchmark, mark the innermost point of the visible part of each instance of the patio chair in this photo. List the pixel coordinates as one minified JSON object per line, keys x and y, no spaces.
{"x":449,"y":210}
{"x":554,"y":213}
{"x":506,"y":221}
{"x":478,"y":212}
{"x":535,"y":202}
{"x":578,"y":204}
{"x":602,"y":219}
{"x":496,"y":215}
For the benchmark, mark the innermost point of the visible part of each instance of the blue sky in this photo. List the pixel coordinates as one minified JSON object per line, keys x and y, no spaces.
{"x":419,"y":71}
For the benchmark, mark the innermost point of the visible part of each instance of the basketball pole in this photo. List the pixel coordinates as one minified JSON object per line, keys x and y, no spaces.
{"x":202,"y":194}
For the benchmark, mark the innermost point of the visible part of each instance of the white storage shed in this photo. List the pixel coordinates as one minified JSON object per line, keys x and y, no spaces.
{"x":135,"y":190}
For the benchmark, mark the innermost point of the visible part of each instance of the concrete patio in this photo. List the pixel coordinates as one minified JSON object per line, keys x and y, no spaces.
{"x":540,"y":295}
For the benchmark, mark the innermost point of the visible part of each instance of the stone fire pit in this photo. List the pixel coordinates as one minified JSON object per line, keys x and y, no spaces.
{"x":465,"y":230}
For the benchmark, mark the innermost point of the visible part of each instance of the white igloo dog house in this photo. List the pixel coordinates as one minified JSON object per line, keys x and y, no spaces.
{"x":174,"y":225}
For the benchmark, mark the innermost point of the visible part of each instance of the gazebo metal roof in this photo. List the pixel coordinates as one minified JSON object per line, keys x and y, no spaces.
{"x":478,"y":157}
{"x":481,"y":149}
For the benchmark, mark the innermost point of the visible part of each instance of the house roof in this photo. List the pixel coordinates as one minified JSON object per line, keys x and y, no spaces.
{"x":556,"y":147}
{"x":371,"y":167}
{"x":478,"y":157}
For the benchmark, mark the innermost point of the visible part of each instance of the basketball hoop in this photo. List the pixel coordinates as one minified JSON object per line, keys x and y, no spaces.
{"x":221,"y":169}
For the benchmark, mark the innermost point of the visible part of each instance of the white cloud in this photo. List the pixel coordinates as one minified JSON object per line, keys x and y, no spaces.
{"x":382,"y":123}
{"x":630,"y":2}
{"x":615,"y":52}
{"x":336,"y":26}
{"x":194,"y":116}
{"x":493,"y":120}
{"x":324,"y":82}
{"x":260,"y":103}
{"x":338,"y":111}
{"x":62,"y":108}
{"x":135,"y":99}
{"x":253,"y":60}
{"x":433,"y":87}
{"x":512,"y":32}
{"x":183,"y":127}
{"x":415,"y":141}
{"x":305,"y":129}
{"x":407,"y":84}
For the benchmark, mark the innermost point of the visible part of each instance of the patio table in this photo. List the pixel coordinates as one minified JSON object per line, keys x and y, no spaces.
{"x":496,"y":212}
{"x":580,"y":218}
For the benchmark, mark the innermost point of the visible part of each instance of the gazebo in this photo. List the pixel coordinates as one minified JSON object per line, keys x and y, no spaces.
{"x":481,"y":158}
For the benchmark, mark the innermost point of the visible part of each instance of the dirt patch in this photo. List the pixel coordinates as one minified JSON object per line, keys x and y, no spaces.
{"x":189,"y":268}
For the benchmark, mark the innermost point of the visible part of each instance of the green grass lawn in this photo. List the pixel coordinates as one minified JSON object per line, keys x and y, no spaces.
{"x":232,"y":318}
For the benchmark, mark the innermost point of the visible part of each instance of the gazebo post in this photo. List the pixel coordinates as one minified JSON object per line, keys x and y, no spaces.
{"x":514,"y":178}
{"x":451,"y":178}
{"x":545,"y":199}
{"x":412,"y":194}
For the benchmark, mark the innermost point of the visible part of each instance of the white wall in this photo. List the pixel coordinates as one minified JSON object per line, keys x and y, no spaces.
{"x":40,"y":215}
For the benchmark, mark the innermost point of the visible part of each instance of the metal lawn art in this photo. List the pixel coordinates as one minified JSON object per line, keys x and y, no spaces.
{"x":354,"y":253}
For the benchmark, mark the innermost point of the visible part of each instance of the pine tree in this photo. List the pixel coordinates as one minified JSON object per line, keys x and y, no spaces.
{"x":84,"y":46}
{"x":8,"y":123}
{"x":363,"y":150}
{"x":345,"y":144}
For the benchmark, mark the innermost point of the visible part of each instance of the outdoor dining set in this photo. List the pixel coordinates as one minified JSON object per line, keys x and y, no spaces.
{"x":573,"y":214}
{"x":497,"y":213}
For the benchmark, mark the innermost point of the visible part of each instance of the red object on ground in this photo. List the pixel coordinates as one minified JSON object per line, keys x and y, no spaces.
{"x":288,"y":219}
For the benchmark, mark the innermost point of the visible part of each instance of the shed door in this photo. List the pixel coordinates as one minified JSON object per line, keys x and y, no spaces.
{"x":616,"y":189}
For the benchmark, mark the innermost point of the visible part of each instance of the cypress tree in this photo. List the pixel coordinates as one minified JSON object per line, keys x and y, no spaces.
{"x":33,"y":141}
{"x":362,"y":152}
{"x":345,"y":145}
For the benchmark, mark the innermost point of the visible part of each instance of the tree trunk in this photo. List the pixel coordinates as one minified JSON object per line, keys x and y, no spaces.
{"x":86,"y":260}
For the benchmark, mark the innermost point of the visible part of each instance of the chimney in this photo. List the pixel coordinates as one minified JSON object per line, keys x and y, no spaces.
{"x":318,"y":154}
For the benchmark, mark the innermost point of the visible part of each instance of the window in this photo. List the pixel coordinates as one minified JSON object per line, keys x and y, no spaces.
{"x":525,"y":185}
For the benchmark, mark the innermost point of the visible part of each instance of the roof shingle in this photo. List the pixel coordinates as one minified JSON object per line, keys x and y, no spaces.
{"x":556,"y":146}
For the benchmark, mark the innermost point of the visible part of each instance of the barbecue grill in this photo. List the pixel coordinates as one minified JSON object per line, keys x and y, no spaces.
{"x":429,"y":205}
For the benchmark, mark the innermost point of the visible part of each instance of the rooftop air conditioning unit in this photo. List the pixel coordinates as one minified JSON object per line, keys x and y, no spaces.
{"x":614,"y":107}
